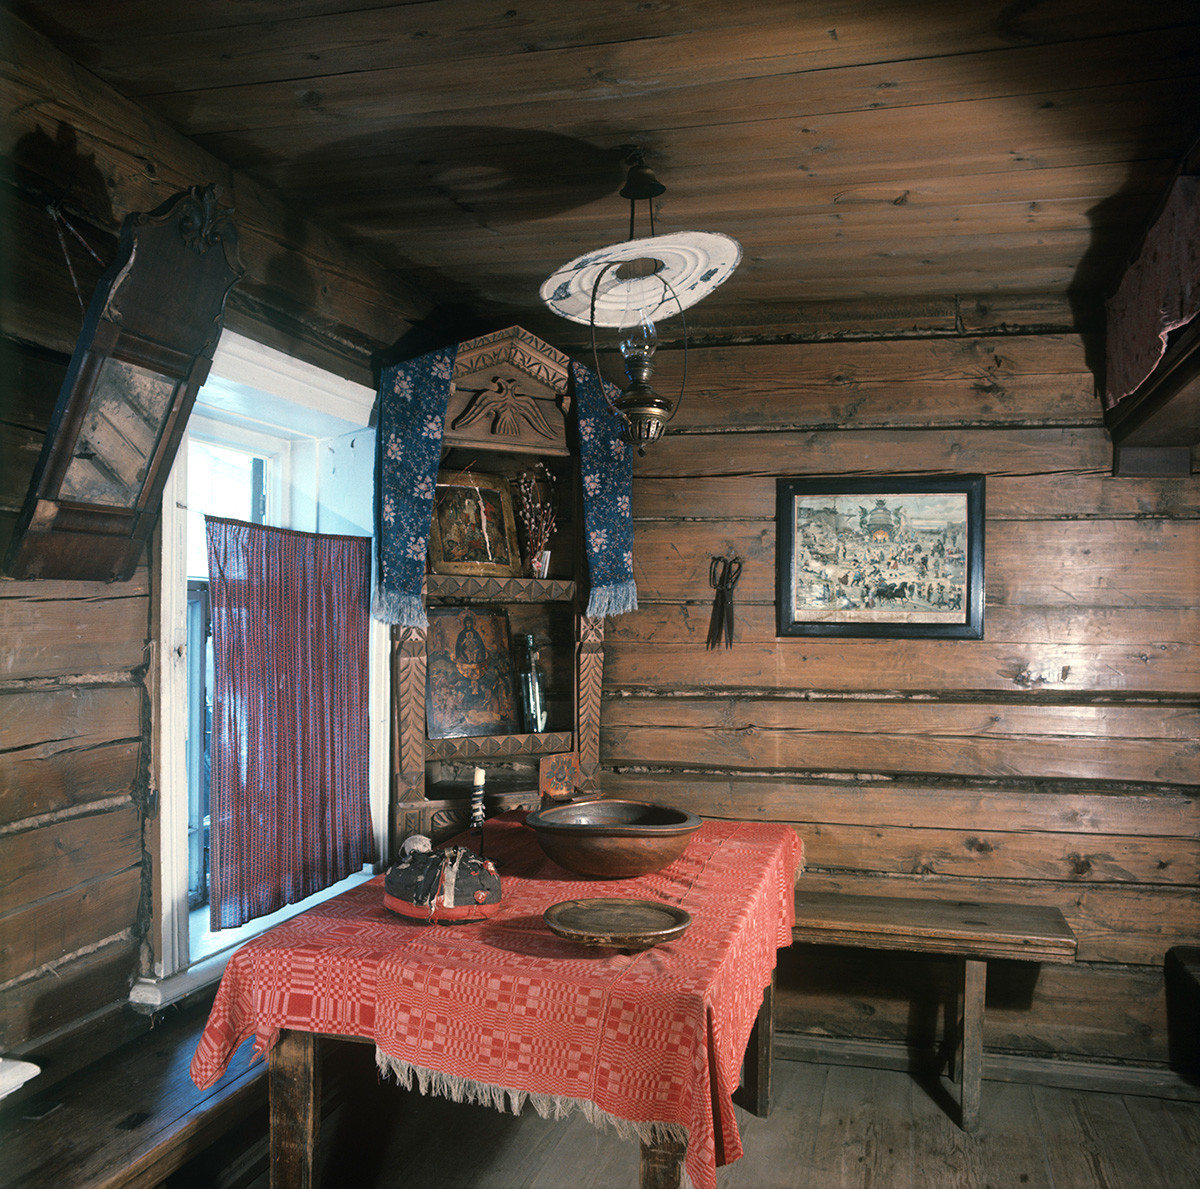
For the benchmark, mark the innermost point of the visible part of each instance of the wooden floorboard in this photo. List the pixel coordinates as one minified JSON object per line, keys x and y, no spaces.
{"x":1094,"y":1139}
{"x":774,"y":1152}
{"x":1171,"y":1132}
{"x":1012,"y":1140}
{"x":832,"y":1127}
{"x":854,"y":1142}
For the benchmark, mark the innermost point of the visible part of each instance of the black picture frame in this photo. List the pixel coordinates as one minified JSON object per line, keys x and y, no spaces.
{"x":882,"y":557}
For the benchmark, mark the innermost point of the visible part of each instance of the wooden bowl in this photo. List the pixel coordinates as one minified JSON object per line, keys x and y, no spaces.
{"x":613,"y":839}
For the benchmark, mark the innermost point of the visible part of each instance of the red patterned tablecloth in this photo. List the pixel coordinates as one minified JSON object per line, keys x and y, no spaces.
{"x":505,"y":1012}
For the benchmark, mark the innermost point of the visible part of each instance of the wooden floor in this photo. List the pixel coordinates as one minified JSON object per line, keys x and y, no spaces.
{"x":833,"y":1127}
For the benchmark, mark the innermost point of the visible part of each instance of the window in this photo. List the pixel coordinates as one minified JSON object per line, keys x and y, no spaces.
{"x":221,"y":481}
{"x":274,"y":441}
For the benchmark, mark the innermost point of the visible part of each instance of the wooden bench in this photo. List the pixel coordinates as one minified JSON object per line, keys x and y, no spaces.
{"x":130,"y":1119}
{"x":972,"y":932}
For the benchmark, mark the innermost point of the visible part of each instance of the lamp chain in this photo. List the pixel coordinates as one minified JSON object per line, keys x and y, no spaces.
{"x":633,"y":216}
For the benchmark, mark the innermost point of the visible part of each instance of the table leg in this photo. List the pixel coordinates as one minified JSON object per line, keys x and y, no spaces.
{"x":294,"y":1079}
{"x":970,"y":1064}
{"x":755,"y":1091}
{"x":661,"y":1164}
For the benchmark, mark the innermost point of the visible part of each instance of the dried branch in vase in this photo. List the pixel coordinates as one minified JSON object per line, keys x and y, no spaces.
{"x":537,"y":512}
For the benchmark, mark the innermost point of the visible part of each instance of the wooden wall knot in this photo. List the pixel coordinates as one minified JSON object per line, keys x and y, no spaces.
{"x":1080,"y":865}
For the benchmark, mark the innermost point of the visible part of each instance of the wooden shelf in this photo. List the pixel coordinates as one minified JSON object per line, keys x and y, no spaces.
{"x":466,"y":747}
{"x":503,"y":788}
{"x":467,"y":588}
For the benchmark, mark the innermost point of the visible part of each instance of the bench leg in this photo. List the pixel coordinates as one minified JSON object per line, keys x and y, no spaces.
{"x":294,"y":1078}
{"x":755,"y":1091}
{"x":969,"y":1066}
{"x":661,"y":1164}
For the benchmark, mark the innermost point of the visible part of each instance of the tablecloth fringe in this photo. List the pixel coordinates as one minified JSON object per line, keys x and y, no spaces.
{"x":501,"y":1098}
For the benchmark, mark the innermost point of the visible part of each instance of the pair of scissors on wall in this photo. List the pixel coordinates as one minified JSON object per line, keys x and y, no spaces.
{"x":723,"y":574}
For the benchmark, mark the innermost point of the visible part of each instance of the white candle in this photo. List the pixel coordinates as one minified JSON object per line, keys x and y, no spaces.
{"x":477,"y":812}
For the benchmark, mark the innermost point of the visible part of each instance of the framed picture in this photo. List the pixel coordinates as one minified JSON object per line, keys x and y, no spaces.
{"x":474,"y":530}
{"x":880,"y":557}
{"x":469,"y":686}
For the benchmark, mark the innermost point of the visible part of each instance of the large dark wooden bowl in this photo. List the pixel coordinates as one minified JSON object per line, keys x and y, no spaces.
{"x":613,"y":839}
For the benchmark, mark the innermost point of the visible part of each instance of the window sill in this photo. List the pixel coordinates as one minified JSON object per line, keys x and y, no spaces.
{"x":212,"y":951}
{"x":152,"y":994}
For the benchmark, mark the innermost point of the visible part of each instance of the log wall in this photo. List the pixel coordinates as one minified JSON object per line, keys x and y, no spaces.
{"x":76,"y":812}
{"x":1056,"y":761}
{"x":73,"y":718}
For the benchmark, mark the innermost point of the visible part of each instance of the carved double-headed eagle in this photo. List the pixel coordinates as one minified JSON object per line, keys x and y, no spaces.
{"x":507,"y":409}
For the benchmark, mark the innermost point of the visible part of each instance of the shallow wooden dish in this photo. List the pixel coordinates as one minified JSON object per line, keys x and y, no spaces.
{"x":621,"y":924}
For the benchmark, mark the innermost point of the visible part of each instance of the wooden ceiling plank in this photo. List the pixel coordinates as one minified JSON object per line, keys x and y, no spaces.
{"x":379,"y":202}
{"x":659,"y":47}
{"x":1075,"y":128}
{"x":925,"y":302}
{"x":801,"y":317}
{"x":160,"y":55}
{"x":1114,"y":125}
{"x":855,"y":229}
{"x":948,"y":252}
{"x":85,"y":21}
{"x":407,"y":184}
{"x":707,"y":88}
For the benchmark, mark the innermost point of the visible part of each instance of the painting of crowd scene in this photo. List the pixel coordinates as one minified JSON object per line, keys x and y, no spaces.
{"x":880,"y":557}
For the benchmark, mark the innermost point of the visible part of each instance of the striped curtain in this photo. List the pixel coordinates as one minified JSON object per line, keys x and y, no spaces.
{"x":290,"y":811}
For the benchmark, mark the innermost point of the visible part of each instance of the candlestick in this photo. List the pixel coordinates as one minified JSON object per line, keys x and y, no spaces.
{"x":477,"y":806}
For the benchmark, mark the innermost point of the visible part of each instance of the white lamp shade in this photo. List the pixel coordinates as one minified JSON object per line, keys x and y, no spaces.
{"x":694,"y":263}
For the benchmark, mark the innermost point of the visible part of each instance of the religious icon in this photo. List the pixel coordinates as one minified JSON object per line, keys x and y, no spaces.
{"x":469,"y":677}
{"x":474,"y":528}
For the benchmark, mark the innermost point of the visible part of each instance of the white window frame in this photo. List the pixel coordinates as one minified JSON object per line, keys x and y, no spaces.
{"x":168,"y":974}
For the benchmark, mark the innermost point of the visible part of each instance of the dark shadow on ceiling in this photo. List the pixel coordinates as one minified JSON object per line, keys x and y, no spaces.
{"x":490,"y":175}
{"x":381,"y":187}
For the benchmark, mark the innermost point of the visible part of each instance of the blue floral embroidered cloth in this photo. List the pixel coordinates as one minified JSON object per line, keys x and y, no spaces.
{"x":412,"y":410}
{"x":408,"y":449}
{"x":606,"y":460}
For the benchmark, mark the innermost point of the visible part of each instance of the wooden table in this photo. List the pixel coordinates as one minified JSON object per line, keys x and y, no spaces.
{"x":653,"y":1042}
{"x":295,"y":1106}
{"x":968,"y":930}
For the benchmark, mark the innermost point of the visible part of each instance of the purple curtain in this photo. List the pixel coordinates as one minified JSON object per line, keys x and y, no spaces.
{"x":290,"y":811}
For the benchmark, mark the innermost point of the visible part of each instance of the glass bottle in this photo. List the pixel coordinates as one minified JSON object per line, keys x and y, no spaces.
{"x":532,"y":684}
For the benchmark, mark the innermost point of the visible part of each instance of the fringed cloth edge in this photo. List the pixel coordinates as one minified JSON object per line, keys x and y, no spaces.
{"x":500,"y":1098}
{"x":618,"y":598}
{"x":403,"y":610}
